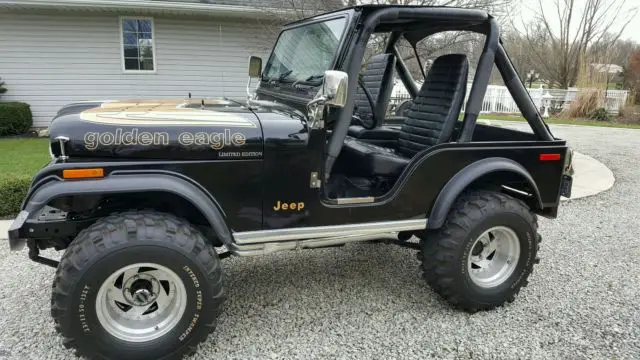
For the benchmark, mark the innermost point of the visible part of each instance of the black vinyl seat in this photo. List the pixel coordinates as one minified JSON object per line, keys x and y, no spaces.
{"x":430,"y":121}
{"x":377,"y":78}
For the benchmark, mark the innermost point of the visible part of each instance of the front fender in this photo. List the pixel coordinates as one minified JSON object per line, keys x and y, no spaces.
{"x":119,"y":184}
{"x":466,"y":177}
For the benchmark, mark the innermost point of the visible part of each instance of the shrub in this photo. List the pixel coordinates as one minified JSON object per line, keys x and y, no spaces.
{"x":599,"y":114}
{"x":585,"y":103}
{"x":12,"y":191}
{"x":630,"y":114}
{"x":2,"y":88}
{"x":15,"y":118}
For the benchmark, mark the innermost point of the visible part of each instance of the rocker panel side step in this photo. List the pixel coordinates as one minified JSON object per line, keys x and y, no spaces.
{"x":331,"y":231}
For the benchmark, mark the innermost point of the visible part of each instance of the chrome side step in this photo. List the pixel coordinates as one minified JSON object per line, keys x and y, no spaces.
{"x":315,"y":232}
{"x":252,"y":243}
{"x":268,"y":248}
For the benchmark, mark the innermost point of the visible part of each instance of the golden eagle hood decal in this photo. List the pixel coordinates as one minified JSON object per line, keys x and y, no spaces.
{"x":209,"y":129}
{"x":165,"y":113}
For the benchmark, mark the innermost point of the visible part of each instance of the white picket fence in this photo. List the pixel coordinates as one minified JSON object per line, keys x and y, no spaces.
{"x":499,"y":100}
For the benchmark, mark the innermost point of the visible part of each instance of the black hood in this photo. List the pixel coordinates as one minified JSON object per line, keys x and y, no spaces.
{"x":158,"y":129}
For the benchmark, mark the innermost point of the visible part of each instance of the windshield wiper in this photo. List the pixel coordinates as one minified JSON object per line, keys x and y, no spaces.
{"x":281,"y":78}
{"x":314,"y":77}
{"x":311,"y":80}
{"x":284,"y":75}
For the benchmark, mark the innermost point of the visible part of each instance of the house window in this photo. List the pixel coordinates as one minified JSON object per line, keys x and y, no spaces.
{"x":138,"y":50}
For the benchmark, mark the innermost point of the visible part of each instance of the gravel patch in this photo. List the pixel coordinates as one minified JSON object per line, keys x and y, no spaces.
{"x":368,"y":300}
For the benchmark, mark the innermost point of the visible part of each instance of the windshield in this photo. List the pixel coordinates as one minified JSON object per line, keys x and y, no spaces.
{"x":302,"y":54}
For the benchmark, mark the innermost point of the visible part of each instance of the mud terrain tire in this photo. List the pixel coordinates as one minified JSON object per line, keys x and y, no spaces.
{"x":122,"y":241}
{"x":447,"y":253}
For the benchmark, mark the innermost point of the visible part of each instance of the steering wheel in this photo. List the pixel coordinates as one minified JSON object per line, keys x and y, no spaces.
{"x":368,"y":123}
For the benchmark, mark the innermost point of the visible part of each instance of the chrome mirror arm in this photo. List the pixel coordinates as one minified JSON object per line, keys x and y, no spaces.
{"x":250,"y":95}
{"x":315,"y":109}
{"x":319,"y":100}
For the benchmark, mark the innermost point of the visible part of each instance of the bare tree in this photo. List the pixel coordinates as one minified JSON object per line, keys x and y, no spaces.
{"x":615,"y":52}
{"x":563,"y":31}
{"x":283,"y":11}
{"x":631,"y":76}
{"x":451,"y":41}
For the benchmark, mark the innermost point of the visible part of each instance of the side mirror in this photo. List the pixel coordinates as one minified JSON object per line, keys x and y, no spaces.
{"x":334,"y":89}
{"x":335,"y":86}
{"x":255,"y":67}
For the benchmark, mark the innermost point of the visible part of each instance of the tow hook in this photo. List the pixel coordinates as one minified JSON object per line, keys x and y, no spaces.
{"x":34,"y":254}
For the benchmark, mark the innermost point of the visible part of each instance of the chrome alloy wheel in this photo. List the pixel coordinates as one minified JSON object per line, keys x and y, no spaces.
{"x":141,"y":302}
{"x":493,"y":257}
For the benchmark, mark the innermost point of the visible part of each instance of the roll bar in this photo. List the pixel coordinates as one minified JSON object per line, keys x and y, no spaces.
{"x":520,"y":95}
{"x":357,"y":48}
{"x":493,"y":53}
{"x":480,"y":81}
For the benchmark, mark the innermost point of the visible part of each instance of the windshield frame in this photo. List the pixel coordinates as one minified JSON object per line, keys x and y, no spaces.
{"x":320,"y":19}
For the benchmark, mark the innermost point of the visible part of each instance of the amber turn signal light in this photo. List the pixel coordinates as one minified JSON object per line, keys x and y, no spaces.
{"x":83,"y":173}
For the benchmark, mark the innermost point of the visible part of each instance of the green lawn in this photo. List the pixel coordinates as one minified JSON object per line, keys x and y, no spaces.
{"x":564,"y":121}
{"x":22,"y":157}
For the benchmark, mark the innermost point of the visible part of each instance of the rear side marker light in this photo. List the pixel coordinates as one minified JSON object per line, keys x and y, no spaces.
{"x":83,"y":173}
{"x":549,"y":157}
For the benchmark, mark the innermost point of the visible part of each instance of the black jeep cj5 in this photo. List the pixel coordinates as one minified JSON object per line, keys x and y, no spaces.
{"x":139,"y":193}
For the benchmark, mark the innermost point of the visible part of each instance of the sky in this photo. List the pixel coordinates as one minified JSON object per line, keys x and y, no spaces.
{"x":631,"y":32}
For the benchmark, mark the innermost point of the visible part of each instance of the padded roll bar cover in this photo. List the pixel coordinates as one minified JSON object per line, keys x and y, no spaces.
{"x":120,"y":184}
{"x":480,"y":82}
{"x":520,"y":95}
{"x":465,"y":177}
{"x":403,"y":73}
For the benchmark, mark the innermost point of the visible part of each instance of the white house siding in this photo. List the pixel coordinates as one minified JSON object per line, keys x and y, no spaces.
{"x":48,"y":60}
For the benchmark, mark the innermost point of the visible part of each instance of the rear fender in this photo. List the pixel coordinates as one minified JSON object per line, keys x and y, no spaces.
{"x":467,"y":176}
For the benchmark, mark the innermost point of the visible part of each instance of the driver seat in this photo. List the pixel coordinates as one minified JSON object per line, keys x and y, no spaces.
{"x":430,"y":121}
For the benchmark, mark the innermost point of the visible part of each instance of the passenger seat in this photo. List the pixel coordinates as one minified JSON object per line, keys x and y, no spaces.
{"x":431,"y":120}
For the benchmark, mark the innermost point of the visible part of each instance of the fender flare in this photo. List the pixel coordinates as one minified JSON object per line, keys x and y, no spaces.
{"x":120,"y":184}
{"x":466,"y":177}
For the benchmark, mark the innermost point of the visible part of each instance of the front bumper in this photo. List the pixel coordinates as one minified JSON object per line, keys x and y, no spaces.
{"x":16,"y":242}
